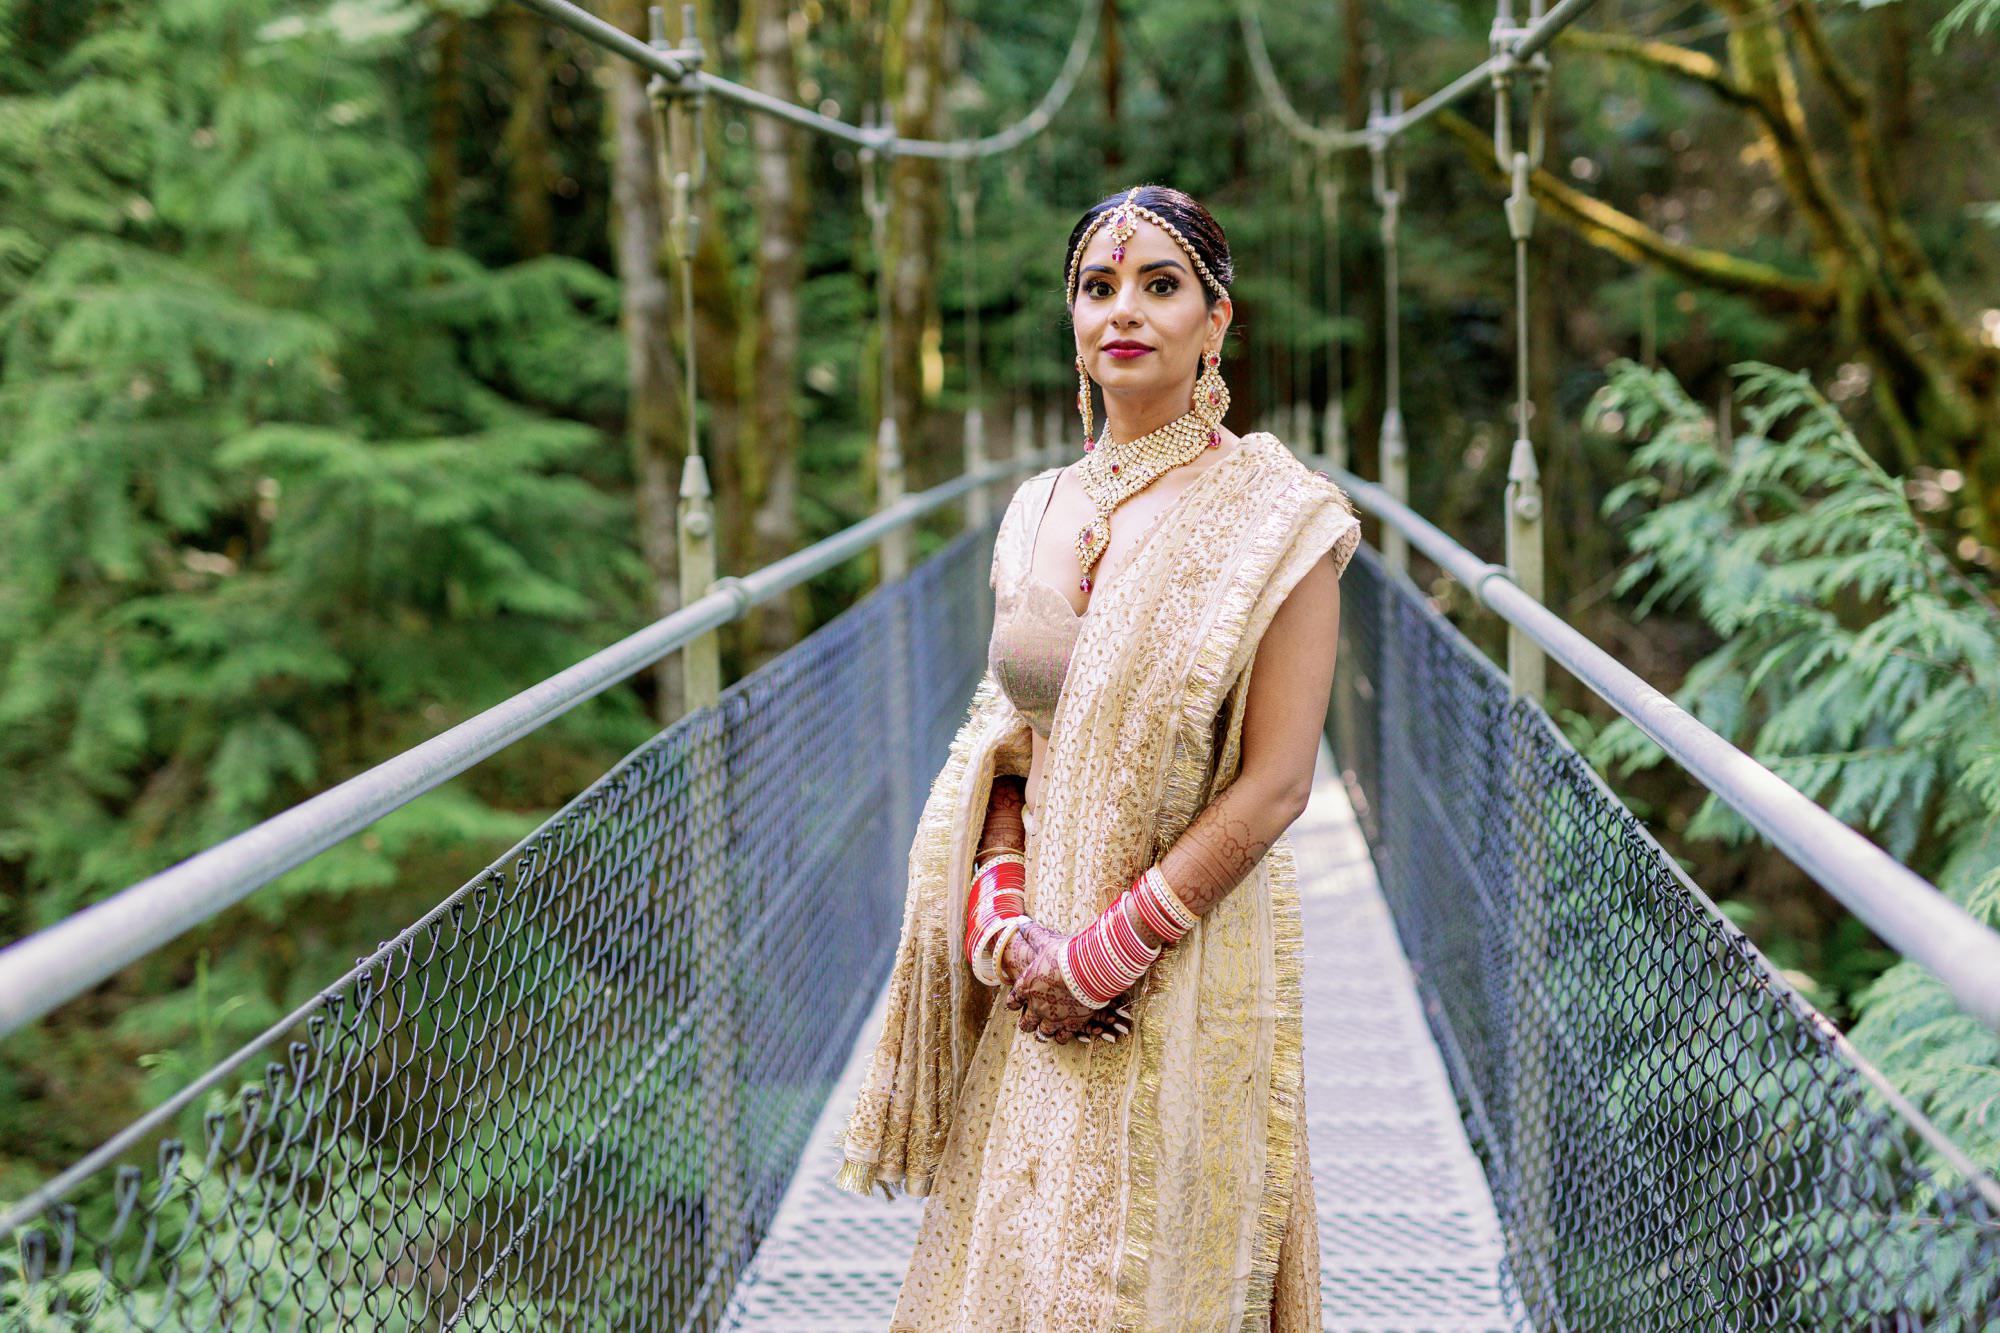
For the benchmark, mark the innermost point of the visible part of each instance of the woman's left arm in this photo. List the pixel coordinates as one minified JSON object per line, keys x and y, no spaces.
{"x":1284,"y":712}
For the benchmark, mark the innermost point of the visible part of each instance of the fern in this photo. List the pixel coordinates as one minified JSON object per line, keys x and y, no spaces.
{"x":1859,"y":663}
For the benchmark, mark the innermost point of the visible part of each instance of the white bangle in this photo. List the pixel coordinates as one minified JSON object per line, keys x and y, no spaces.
{"x":986,"y":965}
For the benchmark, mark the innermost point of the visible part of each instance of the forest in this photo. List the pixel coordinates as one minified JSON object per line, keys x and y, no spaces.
{"x":342,"y":396}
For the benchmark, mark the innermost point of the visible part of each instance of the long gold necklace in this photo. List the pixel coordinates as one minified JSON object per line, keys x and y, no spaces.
{"x":1113,"y":473}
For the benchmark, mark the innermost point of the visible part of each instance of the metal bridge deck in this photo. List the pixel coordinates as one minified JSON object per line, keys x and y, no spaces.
{"x":1408,"y":1235}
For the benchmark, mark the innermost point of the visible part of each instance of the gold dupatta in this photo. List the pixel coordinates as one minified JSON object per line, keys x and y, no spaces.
{"x":1175,"y":1179}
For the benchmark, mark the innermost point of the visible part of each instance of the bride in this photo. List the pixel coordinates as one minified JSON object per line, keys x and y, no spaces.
{"x":1090,"y":1064}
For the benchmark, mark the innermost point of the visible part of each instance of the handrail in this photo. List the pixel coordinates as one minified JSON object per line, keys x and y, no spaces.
{"x":54,"y":966}
{"x":662,"y":62}
{"x":1899,"y":905}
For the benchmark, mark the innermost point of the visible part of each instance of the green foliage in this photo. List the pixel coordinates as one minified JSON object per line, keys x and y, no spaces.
{"x":1857,"y":661}
{"x":284,"y":490}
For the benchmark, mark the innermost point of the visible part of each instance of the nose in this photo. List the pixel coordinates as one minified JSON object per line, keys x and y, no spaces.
{"x":1124,"y":310}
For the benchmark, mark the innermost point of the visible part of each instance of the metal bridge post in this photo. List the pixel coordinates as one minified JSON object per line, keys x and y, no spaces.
{"x":678,"y":111}
{"x":1530,"y":1156}
{"x":708,"y":887}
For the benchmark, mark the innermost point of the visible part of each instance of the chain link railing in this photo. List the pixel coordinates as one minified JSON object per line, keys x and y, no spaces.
{"x":1674,"y":1138}
{"x":571,"y":1096}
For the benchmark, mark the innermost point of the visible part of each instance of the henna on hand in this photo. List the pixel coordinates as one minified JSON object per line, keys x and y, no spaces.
{"x":1004,"y":826}
{"x":1106,"y":1024}
{"x":1039,"y":990}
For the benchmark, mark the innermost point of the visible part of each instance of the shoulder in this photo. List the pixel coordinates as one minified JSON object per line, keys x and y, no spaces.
{"x":1291,"y":475}
{"x":1031,"y":486}
{"x":1027,"y":491}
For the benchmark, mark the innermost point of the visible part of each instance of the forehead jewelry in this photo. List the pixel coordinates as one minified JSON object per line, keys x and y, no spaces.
{"x":1124,"y":222}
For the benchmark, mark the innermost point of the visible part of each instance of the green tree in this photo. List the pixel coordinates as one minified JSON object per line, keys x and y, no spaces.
{"x":283,"y":490}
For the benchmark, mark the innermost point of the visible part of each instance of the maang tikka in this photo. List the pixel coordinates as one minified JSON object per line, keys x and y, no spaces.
{"x":1211,"y":395}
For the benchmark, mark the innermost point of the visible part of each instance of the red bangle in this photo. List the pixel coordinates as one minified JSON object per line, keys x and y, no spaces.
{"x":998,"y":891}
{"x":1105,"y":958}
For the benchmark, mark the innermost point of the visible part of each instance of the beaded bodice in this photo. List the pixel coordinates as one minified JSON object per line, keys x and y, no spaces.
{"x":1034,"y":629}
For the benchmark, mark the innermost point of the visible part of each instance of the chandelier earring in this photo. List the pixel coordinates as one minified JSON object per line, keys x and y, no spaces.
{"x":1211,"y":396}
{"x":1083,"y":404}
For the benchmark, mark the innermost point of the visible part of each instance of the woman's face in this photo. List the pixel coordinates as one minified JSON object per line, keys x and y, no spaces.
{"x":1152,"y":298}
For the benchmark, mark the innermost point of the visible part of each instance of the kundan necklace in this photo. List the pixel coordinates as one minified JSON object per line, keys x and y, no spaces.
{"x":1113,"y":473}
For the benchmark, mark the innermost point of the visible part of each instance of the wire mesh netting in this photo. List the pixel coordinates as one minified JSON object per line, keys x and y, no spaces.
{"x":1674,"y":1140}
{"x":572,"y":1095}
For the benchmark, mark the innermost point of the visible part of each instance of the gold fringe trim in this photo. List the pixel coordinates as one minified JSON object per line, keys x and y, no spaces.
{"x":1287,"y":1084}
{"x":1190,"y":782}
{"x":1302,"y":527}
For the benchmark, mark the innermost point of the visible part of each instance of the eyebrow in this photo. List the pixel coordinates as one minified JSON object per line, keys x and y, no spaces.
{"x":1143,"y":268}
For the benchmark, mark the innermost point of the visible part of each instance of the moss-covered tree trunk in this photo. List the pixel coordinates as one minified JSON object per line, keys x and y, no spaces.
{"x":529,"y":157}
{"x":916,"y":204}
{"x":770,"y":441}
{"x":655,"y":419}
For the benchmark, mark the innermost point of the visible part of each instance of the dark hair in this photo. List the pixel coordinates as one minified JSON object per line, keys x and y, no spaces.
{"x":1193,"y":221}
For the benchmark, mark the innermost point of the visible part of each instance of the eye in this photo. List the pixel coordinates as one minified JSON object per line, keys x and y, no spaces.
{"x":1173,"y":283}
{"x":1090,"y":285}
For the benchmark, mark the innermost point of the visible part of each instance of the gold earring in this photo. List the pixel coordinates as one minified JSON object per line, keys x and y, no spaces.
{"x":1211,"y":396}
{"x":1083,"y":404}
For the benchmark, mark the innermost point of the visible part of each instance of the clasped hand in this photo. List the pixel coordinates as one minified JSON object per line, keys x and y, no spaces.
{"x":1043,"y":997}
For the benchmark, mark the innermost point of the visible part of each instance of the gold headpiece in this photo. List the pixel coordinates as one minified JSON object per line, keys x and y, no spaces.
{"x":1124,"y":220}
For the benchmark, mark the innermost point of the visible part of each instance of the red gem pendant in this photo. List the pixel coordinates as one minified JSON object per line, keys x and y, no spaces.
{"x":1117,"y":254}
{"x":1088,"y":445}
{"x":1215,"y":439}
{"x":1114,"y":467}
{"x":1084,"y":583}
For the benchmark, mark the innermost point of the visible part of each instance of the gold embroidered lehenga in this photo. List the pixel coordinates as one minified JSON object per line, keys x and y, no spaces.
{"x":1159,"y":1182}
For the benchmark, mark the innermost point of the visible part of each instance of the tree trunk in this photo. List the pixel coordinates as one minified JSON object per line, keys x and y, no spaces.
{"x":656,"y":411}
{"x":1113,"y":69}
{"x":770,"y":440}
{"x":447,"y":103}
{"x":530,"y":162}
{"x":915,"y":198}
{"x":720,"y":363}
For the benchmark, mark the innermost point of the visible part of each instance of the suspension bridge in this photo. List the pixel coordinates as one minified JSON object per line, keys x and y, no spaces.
{"x":1549,"y":1084}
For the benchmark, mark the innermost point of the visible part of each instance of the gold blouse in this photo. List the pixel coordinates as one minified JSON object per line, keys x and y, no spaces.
{"x":1034,"y":629}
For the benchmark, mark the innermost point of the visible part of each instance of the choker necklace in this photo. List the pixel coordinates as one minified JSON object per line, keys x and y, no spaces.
{"x":1113,"y":473}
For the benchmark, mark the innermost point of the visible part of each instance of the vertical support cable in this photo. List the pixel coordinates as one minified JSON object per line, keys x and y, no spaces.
{"x":1527,"y":666}
{"x":1389,"y":181}
{"x":1332,"y":176}
{"x":965,"y":191}
{"x":1301,"y":423}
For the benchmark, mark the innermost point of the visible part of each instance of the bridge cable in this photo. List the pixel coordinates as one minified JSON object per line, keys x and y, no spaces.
{"x":681,"y":163}
{"x":671,"y":65}
{"x":1332,"y":179}
{"x":1526,"y":663}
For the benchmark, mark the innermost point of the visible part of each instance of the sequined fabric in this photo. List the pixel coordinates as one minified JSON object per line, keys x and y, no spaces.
{"x":1159,"y":1182}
